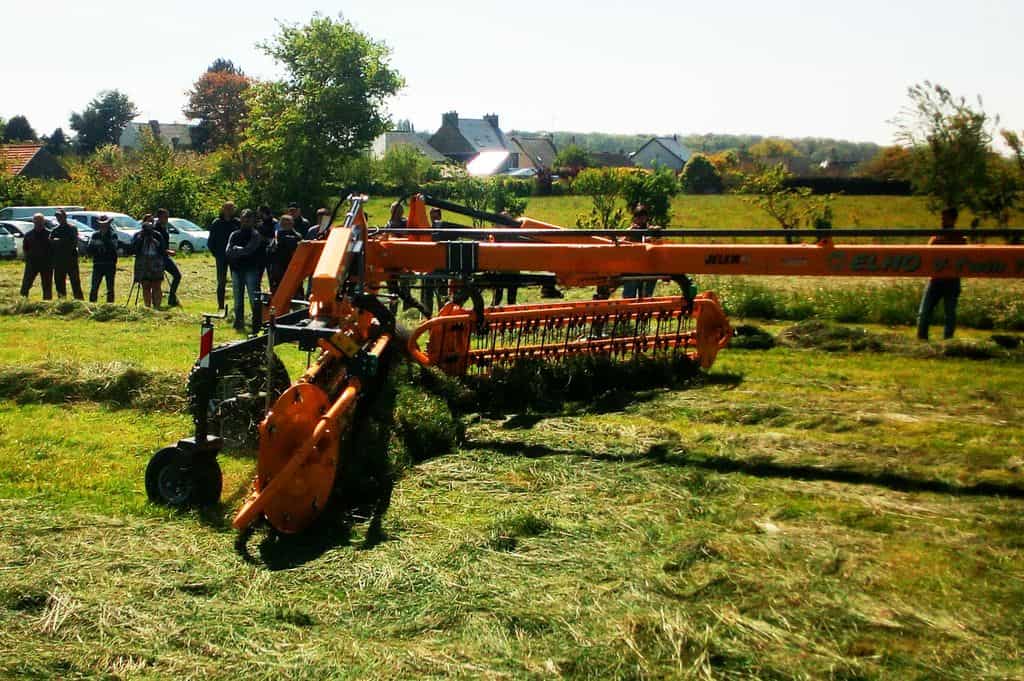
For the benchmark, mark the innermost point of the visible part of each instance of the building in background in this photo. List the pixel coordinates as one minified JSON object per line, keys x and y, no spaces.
{"x":177,"y":135}
{"x":32,"y":161}
{"x":664,"y":152}
{"x":387,"y":141}
{"x":536,"y":153}
{"x":478,"y":143}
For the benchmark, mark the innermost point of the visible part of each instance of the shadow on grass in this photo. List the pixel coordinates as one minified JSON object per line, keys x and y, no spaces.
{"x":673,"y":456}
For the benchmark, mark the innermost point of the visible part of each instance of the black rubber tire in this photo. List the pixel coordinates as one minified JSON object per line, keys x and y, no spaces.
{"x":185,"y":248}
{"x":177,"y":480}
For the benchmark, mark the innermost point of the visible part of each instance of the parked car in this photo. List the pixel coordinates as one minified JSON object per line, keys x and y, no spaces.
{"x":16,"y":228}
{"x":9,"y":245}
{"x":26,"y":212}
{"x":125,"y":226}
{"x":186,"y":236}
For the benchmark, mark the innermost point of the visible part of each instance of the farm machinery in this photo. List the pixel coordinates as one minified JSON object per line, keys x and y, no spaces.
{"x":358,"y":274}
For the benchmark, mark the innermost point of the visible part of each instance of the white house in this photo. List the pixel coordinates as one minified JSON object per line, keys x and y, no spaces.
{"x":389,"y":140}
{"x":178,"y":135}
{"x":664,"y":152}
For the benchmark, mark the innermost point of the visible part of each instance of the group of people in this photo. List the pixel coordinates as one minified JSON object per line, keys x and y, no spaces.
{"x":255,"y":242}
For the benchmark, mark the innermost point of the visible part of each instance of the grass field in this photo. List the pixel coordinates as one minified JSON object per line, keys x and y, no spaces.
{"x":813,"y":510}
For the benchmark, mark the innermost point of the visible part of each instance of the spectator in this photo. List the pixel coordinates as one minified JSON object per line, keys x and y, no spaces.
{"x":642,"y":288}
{"x":64,"y":238}
{"x":301,"y":223}
{"x":150,"y":251}
{"x":281,"y":250}
{"x":170,"y":266}
{"x":399,"y":288}
{"x":322,"y":227}
{"x":433,"y":289}
{"x":103,"y":250}
{"x":946,"y":289}
{"x":267,"y":227}
{"x":220,"y":230}
{"x":38,"y":258}
{"x":245,"y":256}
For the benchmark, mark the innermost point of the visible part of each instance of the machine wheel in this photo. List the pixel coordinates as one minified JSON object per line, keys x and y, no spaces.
{"x":180,"y":481}
{"x":185,"y":248}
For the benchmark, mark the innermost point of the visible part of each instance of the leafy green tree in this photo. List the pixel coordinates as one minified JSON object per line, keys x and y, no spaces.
{"x":890,"y":163}
{"x":654,"y":189}
{"x":217,"y":100}
{"x":328,"y":107}
{"x":773,"y":150}
{"x":573,"y":158}
{"x":603,"y":186}
{"x":791,"y":207}
{"x":1013,"y":140}
{"x":103,"y":120}
{"x":1002,"y":191}
{"x":700,"y":176}
{"x":949,"y":141}
{"x":403,"y":169}
{"x":57,"y":143}
{"x":17,"y":129}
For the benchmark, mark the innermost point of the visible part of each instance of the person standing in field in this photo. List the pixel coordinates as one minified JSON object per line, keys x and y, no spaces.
{"x":319,"y":229}
{"x":103,"y":250}
{"x":281,"y":250}
{"x":301,"y":224}
{"x":38,"y":258}
{"x":945,"y":289}
{"x":220,"y":230}
{"x":150,"y":249}
{"x":64,"y":238}
{"x":170,"y":266}
{"x":245,"y":255}
{"x":643,"y":288}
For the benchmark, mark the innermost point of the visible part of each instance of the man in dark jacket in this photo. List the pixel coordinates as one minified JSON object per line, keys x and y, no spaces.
{"x":245,"y":256}
{"x":941,"y":289}
{"x":281,"y":250}
{"x":64,"y":238}
{"x":267,"y":227}
{"x":220,"y":230}
{"x":103,"y":249}
{"x":302,"y":225}
{"x":170,"y":267}
{"x":38,"y":258}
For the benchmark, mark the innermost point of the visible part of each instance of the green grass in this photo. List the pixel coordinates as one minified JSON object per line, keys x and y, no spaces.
{"x":813,"y":510}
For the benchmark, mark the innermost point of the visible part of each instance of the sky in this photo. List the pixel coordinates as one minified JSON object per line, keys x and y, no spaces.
{"x":789,"y":68}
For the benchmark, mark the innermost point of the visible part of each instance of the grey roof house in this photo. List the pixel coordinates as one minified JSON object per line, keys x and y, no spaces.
{"x":389,"y":140}
{"x":178,"y":135}
{"x":464,"y":139}
{"x":534,"y":152}
{"x":665,"y":152}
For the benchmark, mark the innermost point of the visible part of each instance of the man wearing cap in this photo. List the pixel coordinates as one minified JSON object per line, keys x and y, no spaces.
{"x":64,"y":238}
{"x":103,"y":249}
{"x":38,"y":258}
{"x":170,"y":267}
{"x":300,"y":223}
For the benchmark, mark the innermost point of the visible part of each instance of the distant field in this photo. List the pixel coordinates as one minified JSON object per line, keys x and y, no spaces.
{"x":844,"y":507}
{"x":733,"y":212}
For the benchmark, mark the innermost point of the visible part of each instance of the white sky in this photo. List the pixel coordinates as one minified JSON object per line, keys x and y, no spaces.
{"x":776,"y":67}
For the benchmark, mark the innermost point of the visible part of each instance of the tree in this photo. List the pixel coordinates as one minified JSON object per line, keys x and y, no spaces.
{"x":890,"y":163}
{"x":57,"y":143}
{"x":573,"y":158}
{"x":103,"y":120}
{"x":1013,"y":140}
{"x":603,"y":186}
{"x":772,"y":150}
{"x":404,"y":125}
{"x":217,"y":101}
{"x":700,"y":176}
{"x":403,"y":168}
{"x":949,"y":143}
{"x":1002,"y":190}
{"x":18,"y":130}
{"x":791,"y":207}
{"x":328,"y":108}
{"x":654,"y":189}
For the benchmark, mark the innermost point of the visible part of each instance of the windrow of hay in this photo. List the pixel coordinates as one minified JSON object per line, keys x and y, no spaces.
{"x":821,"y":335}
{"x":77,"y":309}
{"x":115,"y":383}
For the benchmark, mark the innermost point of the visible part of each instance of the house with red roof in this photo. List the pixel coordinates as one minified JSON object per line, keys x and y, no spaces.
{"x":31,"y":160}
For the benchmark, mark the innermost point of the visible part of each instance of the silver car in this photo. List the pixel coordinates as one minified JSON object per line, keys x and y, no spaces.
{"x":186,"y":236}
{"x":125,"y":226}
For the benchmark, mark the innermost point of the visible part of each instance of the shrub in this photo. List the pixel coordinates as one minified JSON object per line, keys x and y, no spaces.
{"x":700,"y":176}
{"x":654,"y":189}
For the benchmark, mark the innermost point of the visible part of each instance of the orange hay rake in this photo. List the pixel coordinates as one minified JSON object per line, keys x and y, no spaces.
{"x":359,"y":273}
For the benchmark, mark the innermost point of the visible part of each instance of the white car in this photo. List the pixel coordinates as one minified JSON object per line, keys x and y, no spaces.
{"x":19,"y":228}
{"x":186,"y":236}
{"x":125,"y":226}
{"x":10,"y":245}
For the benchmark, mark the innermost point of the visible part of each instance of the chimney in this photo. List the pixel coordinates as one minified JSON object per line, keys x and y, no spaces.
{"x":493,"y":120}
{"x":450,"y":119}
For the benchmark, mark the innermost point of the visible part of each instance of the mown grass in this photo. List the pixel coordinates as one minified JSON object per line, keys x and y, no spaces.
{"x":845,"y":504}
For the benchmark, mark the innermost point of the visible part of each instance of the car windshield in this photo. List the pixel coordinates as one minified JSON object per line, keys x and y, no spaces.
{"x":185,"y":225}
{"x":125,"y":222}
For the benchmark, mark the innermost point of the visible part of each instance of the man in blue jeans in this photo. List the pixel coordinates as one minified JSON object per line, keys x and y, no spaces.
{"x":170,"y":267}
{"x":946,"y":289}
{"x":244,"y":254}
